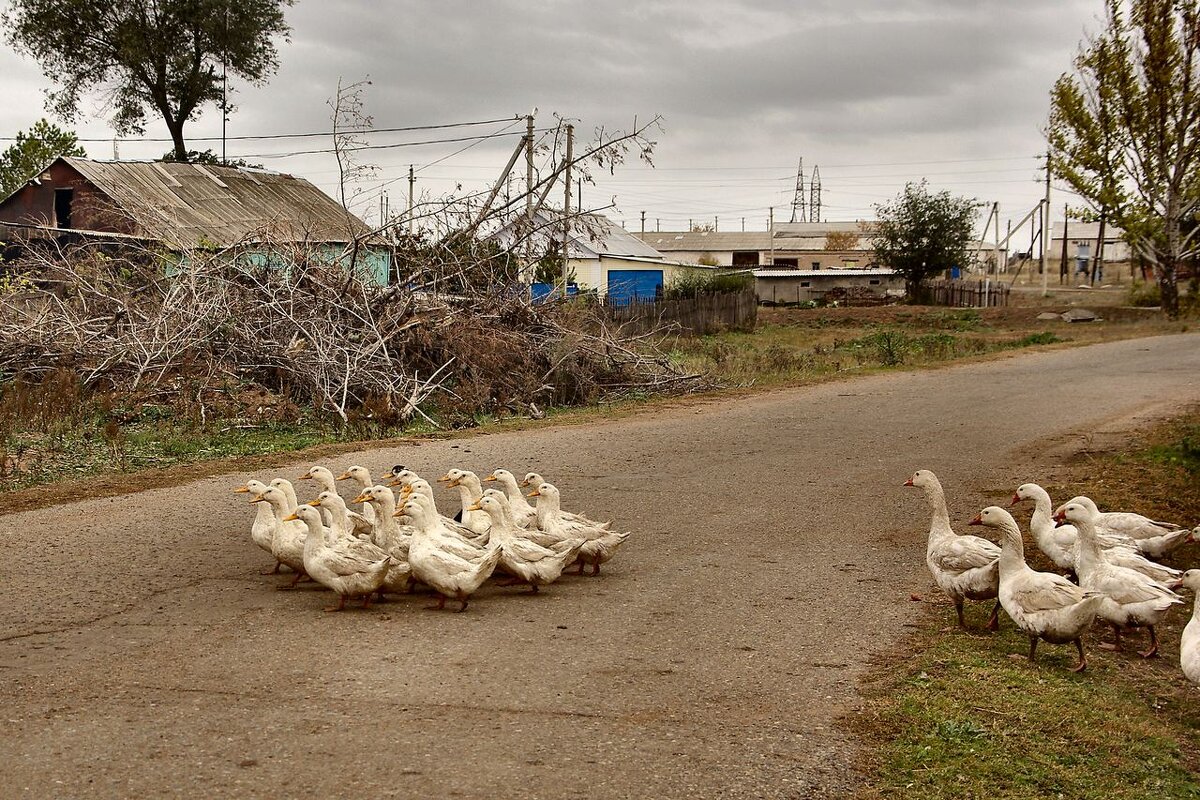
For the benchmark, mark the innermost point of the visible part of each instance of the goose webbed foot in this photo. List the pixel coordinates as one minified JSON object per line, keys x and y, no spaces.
{"x":1153,"y":651}
{"x":1082,"y":665}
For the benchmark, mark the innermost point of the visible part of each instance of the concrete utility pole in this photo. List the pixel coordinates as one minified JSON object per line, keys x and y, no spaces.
{"x":771,"y":233}
{"x":1045,"y":227}
{"x":412,"y":182}
{"x":567,"y":203}
{"x":996,"y":238}
{"x":643,"y":222}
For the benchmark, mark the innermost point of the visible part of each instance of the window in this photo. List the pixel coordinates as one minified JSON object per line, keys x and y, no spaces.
{"x":816,"y":265}
{"x":874,"y":281}
{"x":787,"y":262}
{"x":62,"y":207}
{"x":805,"y":284}
{"x":745,"y":258}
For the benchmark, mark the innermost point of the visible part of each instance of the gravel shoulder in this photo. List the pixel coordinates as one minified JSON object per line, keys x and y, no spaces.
{"x":773,"y":557}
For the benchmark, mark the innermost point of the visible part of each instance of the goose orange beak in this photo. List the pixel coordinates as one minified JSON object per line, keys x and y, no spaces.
{"x":315,"y":503}
{"x":242,"y":490}
{"x":978,"y":520}
{"x":306,"y":476}
{"x":344,"y":476}
{"x":290,"y":518}
{"x":445,"y":478}
{"x":908,"y":482}
{"x":362,"y":498}
{"x":394,"y":482}
{"x":475,"y":507}
{"x":534,"y":493}
{"x":258,"y":498}
{"x":1016,"y":499}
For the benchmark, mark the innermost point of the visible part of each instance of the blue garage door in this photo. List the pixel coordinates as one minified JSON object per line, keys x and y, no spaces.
{"x":626,"y":284}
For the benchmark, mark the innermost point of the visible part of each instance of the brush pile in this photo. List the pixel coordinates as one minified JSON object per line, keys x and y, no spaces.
{"x":451,"y":338}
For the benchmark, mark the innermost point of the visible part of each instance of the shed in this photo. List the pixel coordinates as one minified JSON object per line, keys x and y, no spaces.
{"x":788,"y":286}
{"x":185,"y":207}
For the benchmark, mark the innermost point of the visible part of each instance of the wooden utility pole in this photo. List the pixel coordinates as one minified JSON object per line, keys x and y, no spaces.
{"x":412,"y":182}
{"x":567,"y":204}
{"x":1098,"y":262}
{"x":643,"y":222}
{"x":529,"y":196}
{"x":1045,"y":245}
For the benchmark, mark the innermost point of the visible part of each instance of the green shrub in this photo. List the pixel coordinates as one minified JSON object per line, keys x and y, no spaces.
{"x":693,"y":283}
{"x":1144,"y":295}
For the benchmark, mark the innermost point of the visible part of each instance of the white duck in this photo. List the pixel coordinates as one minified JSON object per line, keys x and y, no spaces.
{"x":1131,"y":599}
{"x":600,"y":544}
{"x":389,"y":536}
{"x":522,"y":512}
{"x":448,"y":573}
{"x":361,"y":476}
{"x":455,"y":537}
{"x":262,"y":531}
{"x":1042,"y":605}
{"x":401,"y":476}
{"x":534,"y":480}
{"x":356,"y":571}
{"x":289,"y":491}
{"x":526,"y":561}
{"x":470,"y":489}
{"x":1189,"y":643}
{"x":964,"y":567}
{"x":1061,"y":543}
{"x":1154,"y":539}
{"x":287,"y":539}
{"x":325,"y":480}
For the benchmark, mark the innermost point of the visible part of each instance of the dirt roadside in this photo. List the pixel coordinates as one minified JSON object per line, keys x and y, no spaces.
{"x":774,"y":555}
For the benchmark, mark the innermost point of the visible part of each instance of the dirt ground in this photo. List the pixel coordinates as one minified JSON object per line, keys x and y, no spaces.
{"x":774,"y":554}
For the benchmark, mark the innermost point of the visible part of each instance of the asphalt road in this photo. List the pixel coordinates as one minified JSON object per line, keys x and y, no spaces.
{"x":142,"y":655}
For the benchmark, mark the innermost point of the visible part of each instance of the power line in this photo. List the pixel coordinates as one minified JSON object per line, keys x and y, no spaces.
{"x":135,"y":140}
{"x":392,"y":146}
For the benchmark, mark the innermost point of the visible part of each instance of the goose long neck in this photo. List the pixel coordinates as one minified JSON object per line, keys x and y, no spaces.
{"x":940,"y":523}
{"x":1040,"y":523}
{"x":315,"y":540}
{"x":1089,"y":549}
{"x":1012,"y":549}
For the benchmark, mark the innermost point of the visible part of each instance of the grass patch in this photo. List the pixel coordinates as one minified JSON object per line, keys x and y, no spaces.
{"x":965,"y":715}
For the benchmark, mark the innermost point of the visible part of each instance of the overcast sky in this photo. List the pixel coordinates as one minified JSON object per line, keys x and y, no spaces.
{"x":873,"y":92}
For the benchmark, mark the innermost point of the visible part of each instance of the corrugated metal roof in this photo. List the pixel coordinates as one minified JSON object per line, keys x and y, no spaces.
{"x":693,"y":241}
{"x":602,"y":236}
{"x":1085,"y":230}
{"x":822,"y":273}
{"x":187,"y":205}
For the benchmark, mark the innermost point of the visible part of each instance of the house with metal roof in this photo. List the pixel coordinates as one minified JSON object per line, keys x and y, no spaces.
{"x":799,"y":245}
{"x":185,"y":207}
{"x":602,"y":256}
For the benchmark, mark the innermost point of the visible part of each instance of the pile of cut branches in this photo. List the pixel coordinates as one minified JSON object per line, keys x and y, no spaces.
{"x":314,"y":331}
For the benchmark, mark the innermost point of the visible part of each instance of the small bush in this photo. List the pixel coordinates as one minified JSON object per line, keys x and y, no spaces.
{"x":692,"y":284}
{"x":1145,"y":295}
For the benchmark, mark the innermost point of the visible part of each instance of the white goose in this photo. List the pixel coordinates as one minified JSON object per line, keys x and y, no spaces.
{"x":349,"y":571}
{"x":1131,"y":599}
{"x":600,"y":544}
{"x":289,"y":491}
{"x":1061,"y":543}
{"x":1042,"y":605}
{"x":1189,"y":643}
{"x":448,"y":573}
{"x":458,"y":539}
{"x":1154,"y":539}
{"x":964,"y":567}
{"x":534,"y":480}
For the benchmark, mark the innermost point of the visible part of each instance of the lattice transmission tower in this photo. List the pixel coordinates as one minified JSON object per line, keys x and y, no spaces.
{"x":814,"y":203}
{"x":800,"y":199}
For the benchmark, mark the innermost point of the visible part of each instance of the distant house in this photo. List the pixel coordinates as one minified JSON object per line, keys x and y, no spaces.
{"x":799,"y":245}
{"x":794,"y":286}
{"x":184,"y":207}
{"x":1081,"y":243}
{"x":603,"y":256}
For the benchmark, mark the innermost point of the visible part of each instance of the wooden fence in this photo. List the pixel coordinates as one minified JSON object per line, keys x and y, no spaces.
{"x":968,"y":294}
{"x":696,"y":316}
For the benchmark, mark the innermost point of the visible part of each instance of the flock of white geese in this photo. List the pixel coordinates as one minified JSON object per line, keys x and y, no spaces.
{"x":1111,"y":555}
{"x":399,"y":539}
